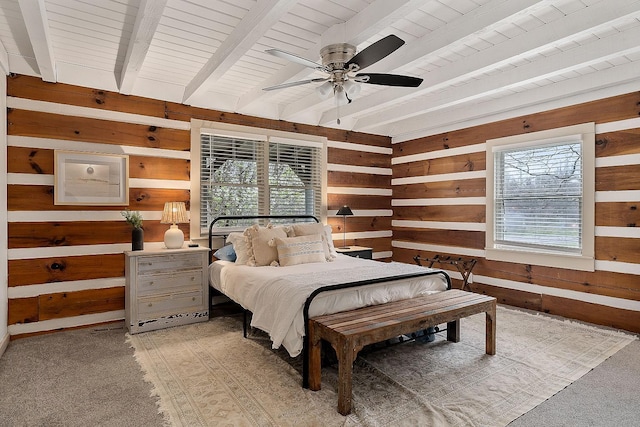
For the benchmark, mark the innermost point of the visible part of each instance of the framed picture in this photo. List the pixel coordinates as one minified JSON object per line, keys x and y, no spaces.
{"x":91,"y":179}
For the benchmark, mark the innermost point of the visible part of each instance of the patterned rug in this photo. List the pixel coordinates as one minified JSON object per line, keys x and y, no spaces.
{"x":207,"y":374}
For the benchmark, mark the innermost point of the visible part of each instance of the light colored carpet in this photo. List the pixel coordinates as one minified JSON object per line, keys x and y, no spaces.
{"x":208,"y":374}
{"x":74,"y":378}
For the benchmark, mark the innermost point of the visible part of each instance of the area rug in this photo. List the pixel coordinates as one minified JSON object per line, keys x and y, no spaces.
{"x":207,"y":374}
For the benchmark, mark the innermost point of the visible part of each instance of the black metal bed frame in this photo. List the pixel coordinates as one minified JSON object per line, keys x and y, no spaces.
{"x":307,"y":305}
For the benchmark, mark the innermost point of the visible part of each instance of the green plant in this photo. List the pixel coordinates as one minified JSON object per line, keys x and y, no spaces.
{"x":133,"y":217}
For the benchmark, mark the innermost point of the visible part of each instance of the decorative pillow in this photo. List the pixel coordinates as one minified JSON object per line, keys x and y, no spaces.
{"x":226,"y":253}
{"x":260,"y":253}
{"x":311,"y":229}
{"x":305,"y":229}
{"x":299,"y":250}
{"x":239,"y":242}
{"x":329,"y":239}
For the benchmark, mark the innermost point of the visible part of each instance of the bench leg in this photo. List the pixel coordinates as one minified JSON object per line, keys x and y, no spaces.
{"x":346,"y":355}
{"x":314,"y":356}
{"x":453,"y":331}
{"x":491,"y":329}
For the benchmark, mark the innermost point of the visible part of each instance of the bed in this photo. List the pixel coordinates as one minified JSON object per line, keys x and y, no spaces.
{"x":282,"y":295}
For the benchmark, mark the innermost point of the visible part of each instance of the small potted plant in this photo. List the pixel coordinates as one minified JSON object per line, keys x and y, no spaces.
{"x":134,"y":218}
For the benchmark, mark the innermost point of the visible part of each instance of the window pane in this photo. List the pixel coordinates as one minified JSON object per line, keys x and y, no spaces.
{"x":228,"y":177}
{"x":233,"y":201}
{"x":238,"y":179}
{"x":294,"y":179}
{"x":289,"y":201}
{"x":538,"y":196}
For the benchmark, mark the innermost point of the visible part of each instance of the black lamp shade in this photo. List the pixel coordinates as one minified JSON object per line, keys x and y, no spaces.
{"x":345,"y":210}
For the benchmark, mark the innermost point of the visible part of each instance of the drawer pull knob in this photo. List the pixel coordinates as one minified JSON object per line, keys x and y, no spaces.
{"x":150,"y":305}
{"x":193,"y":278}
{"x":151,"y":283}
{"x":193,"y":298}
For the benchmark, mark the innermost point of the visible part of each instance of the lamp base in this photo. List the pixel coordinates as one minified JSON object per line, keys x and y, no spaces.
{"x":173,"y":237}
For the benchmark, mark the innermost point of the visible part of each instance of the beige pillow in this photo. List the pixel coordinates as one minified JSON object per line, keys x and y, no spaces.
{"x":260,"y":253}
{"x":239,"y":242}
{"x":328,"y":235}
{"x":311,"y":229}
{"x":300,"y":250}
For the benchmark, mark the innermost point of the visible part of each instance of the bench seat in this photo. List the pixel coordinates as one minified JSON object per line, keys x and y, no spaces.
{"x":349,"y":331}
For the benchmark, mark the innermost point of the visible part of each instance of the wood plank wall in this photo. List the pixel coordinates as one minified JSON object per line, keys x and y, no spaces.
{"x":66,"y":267}
{"x":439,"y":208}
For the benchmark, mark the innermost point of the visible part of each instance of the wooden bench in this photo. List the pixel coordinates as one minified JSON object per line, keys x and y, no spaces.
{"x":349,"y":331}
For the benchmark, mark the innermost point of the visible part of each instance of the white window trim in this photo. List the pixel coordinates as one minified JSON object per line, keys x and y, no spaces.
{"x":584,"y":261}
{"x":198,"y":126}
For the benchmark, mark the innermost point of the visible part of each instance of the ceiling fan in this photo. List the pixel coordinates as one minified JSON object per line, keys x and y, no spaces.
{"x":342,"y":63}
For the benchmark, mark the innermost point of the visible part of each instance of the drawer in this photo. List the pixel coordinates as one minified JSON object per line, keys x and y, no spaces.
{"x":169,"y":262}
{"x":166,"y":305}
{"x":153,"y":284}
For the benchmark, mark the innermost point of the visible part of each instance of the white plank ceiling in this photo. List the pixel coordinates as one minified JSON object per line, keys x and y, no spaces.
{"x":481,"y":60}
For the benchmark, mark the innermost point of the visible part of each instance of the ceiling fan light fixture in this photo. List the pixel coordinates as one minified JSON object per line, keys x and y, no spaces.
{"x":351,"y":88}
{"x":341,"y":96}
{"x":325,"y":90}
{"x":341,"y":59}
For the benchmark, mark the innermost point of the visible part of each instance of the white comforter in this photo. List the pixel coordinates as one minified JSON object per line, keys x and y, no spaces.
{"x":276,"y":295}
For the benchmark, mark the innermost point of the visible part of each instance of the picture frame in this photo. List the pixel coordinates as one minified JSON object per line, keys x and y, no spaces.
{"x":83,"y":178}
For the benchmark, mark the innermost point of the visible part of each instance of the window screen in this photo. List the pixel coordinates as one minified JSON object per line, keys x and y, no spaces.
{"x":538,"y":196}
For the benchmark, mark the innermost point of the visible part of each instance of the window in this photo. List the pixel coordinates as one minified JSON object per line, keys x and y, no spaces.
{"x":258,"y":172}
{"x":540,"y":198}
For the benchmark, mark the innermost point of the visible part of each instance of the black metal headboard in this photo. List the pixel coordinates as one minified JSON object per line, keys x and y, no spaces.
{"x":292,"y":218}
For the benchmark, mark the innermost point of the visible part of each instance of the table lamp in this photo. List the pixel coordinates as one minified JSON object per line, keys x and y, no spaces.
{"x":344,"y":211}
{"x":174,"y":213}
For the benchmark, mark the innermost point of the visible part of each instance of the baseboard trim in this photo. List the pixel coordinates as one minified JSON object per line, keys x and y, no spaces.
{"x":4,"y":343}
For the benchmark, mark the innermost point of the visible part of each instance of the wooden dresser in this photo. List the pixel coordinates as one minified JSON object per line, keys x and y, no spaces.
{"x":166,"y":287}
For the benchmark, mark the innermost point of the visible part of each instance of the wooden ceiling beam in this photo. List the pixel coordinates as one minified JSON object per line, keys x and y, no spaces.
{"x":147,"y":20}
{"x":4,"y":59}
{"x":252,"y":28}
{"x":35,"y":18}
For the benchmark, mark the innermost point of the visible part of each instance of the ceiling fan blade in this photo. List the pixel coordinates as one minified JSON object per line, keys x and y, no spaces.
{"x":295,"y":58}
{"x":298,"y":83}
{"x":388,"y":79}
{"x":376,"y":51}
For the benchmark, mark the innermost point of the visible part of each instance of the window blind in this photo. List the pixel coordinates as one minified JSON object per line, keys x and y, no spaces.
{"x":538,"y":196}
{"x":294,"y":179}
{"x":241,"y":176}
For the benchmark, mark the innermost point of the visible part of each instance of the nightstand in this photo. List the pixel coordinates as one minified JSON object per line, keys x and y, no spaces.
{"x":166,"y":287}
{"x":356,"y":251}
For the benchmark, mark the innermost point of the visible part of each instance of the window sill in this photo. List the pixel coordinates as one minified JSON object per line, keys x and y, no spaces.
{"x":545,"y":259}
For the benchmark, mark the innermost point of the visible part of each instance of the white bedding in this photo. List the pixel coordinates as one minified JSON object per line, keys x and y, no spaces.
{"x":276,"y":295}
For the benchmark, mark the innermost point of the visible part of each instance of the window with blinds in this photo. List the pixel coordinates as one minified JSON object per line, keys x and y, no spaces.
{"x":538,"y":196}
{"x":270,"y":176}
{"x":540,"y":204}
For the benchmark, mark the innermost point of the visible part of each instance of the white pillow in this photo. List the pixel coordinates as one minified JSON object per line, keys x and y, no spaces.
{"x":329,"y":240}
{"x":311,"y":229}
{"x":239,"y":242}
{"x":260,"y":253}
{"x":300,"y":250}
